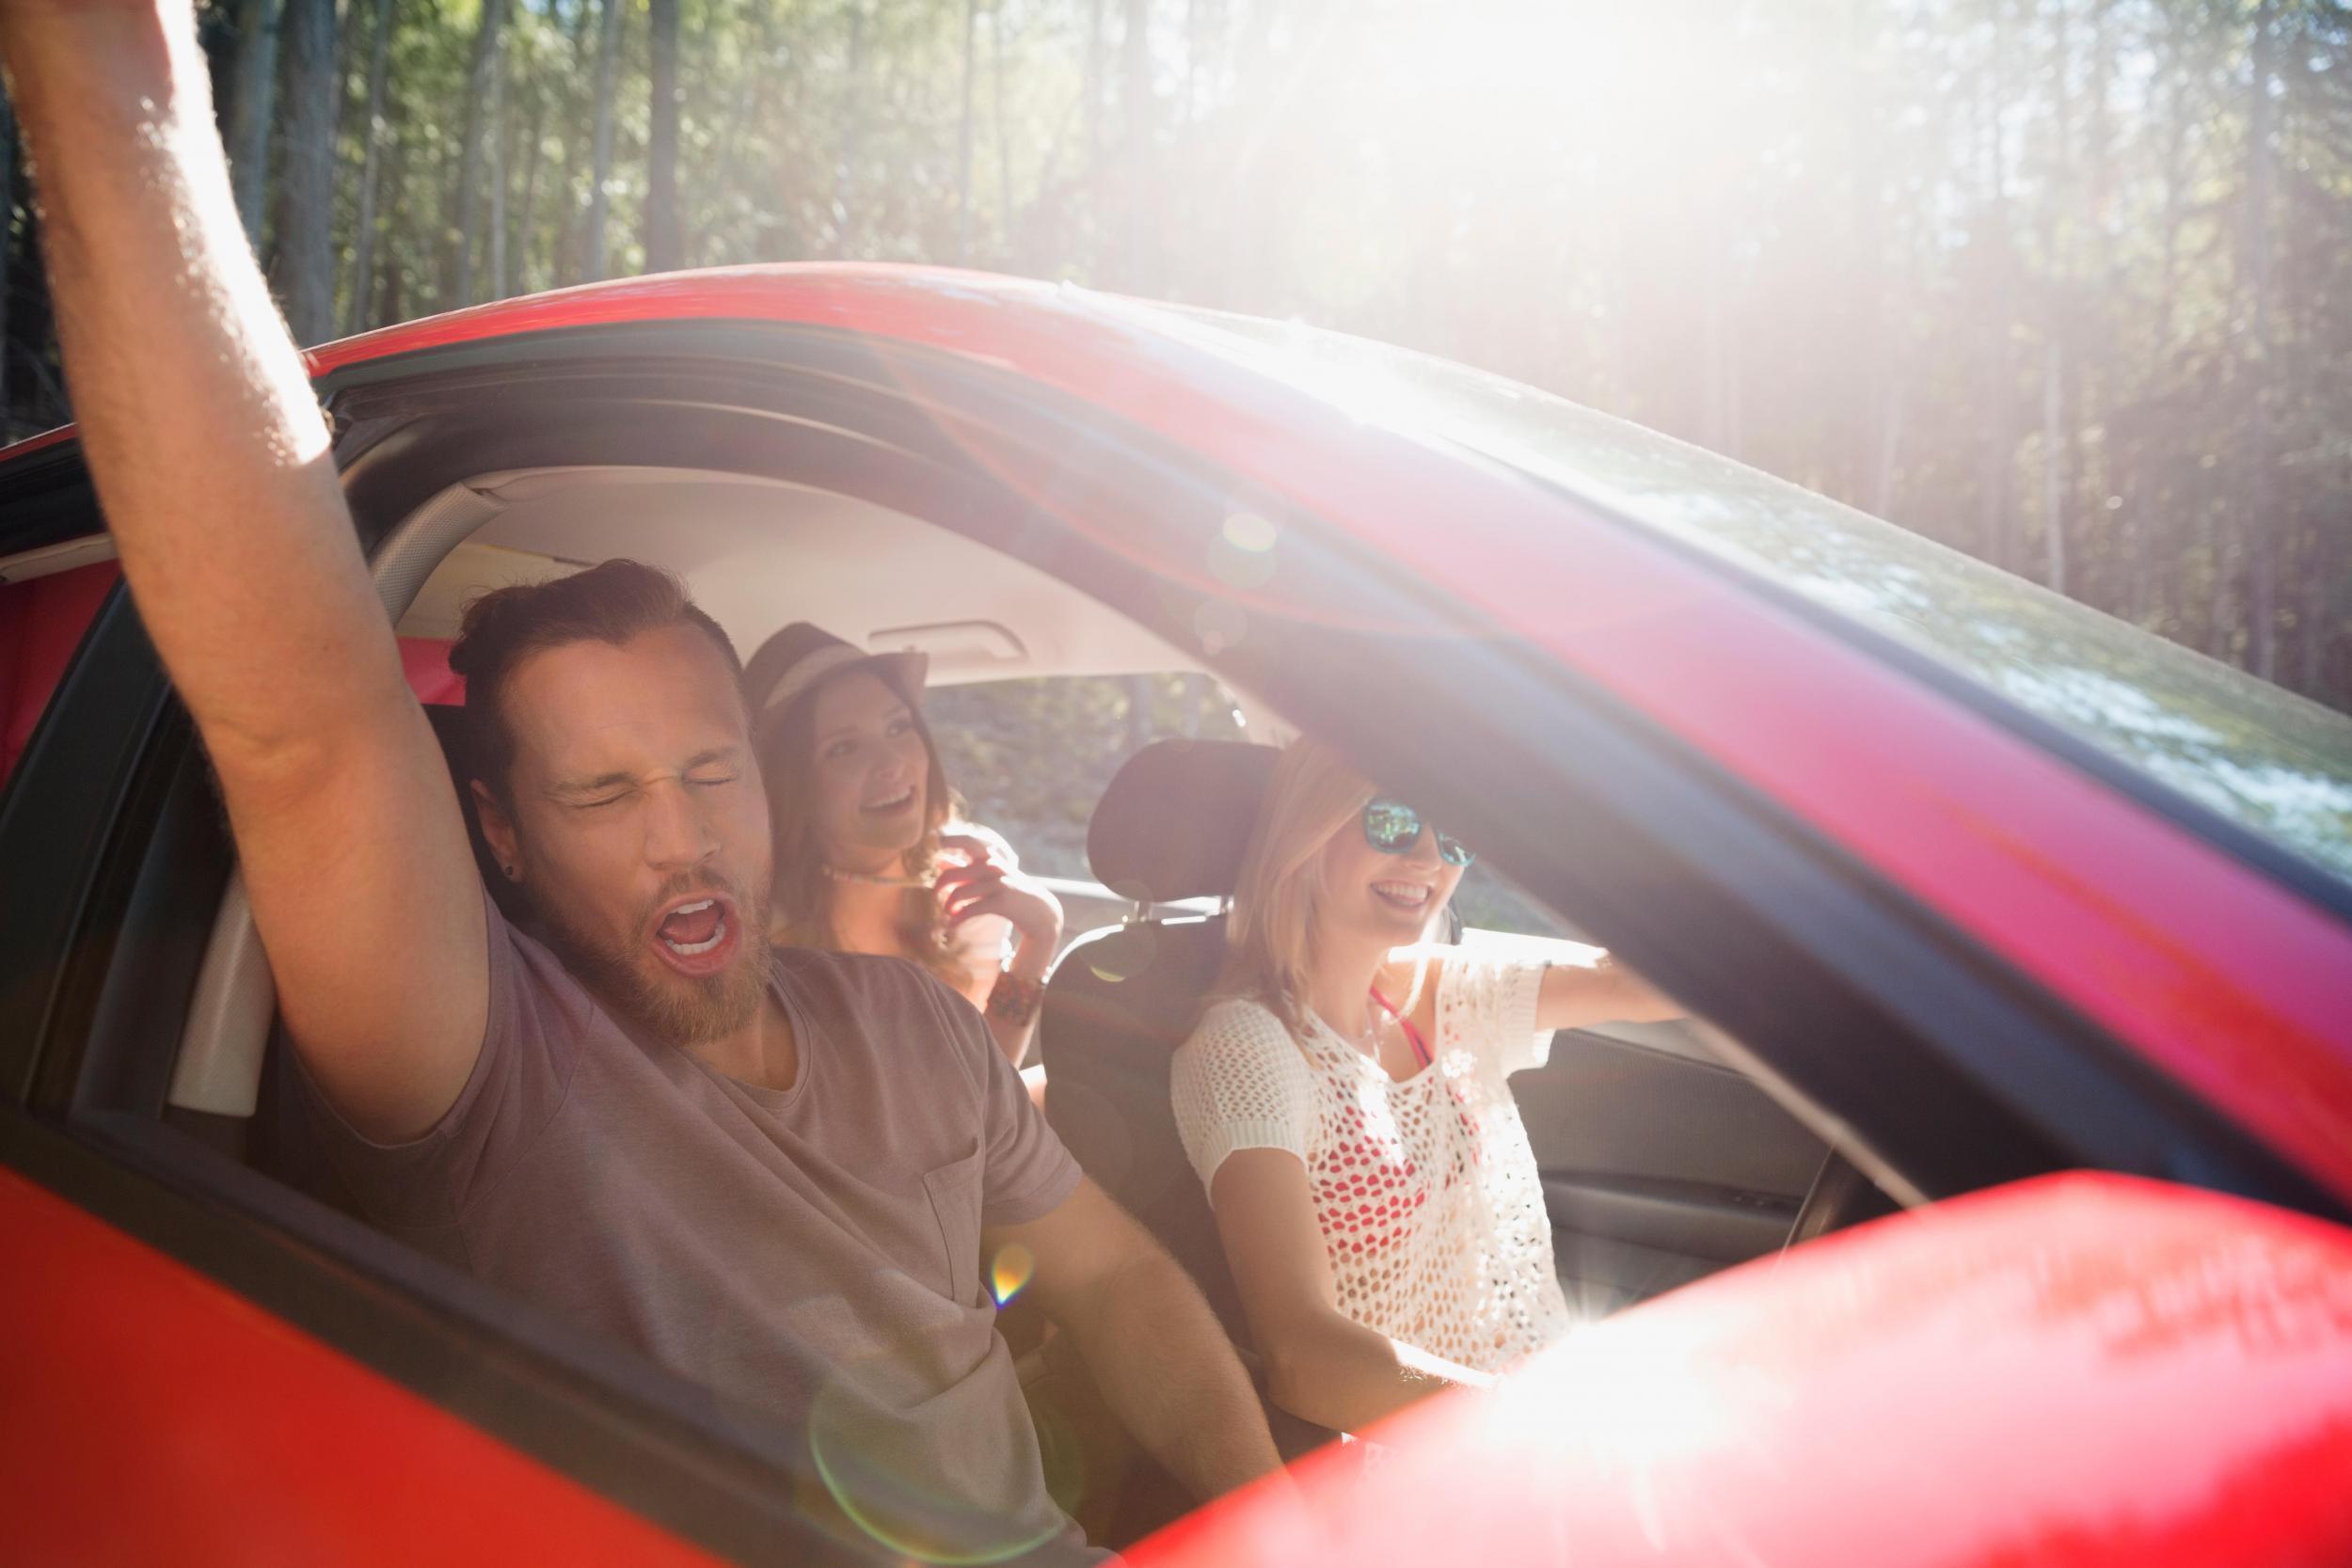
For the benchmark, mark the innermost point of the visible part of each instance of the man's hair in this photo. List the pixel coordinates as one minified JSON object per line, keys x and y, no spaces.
{"x":609,"y":603}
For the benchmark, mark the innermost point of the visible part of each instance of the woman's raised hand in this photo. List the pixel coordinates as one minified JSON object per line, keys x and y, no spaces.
{"x":981,"y":875}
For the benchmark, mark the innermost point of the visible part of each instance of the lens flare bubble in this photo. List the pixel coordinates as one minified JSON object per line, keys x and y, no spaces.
{"x":1126,"y":952}
{"x":1241,"y":554}
{"x":879,"y":1487}
{"x":1220,"y":625}
{"x":1009,"y":1272}
{"x":1246,"y":531}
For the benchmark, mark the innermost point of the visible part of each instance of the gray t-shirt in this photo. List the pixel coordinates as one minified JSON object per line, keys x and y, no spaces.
{"x":811,"y":1253}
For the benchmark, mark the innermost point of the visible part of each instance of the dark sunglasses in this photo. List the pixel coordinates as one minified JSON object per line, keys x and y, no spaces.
{"x":1393,"y":828}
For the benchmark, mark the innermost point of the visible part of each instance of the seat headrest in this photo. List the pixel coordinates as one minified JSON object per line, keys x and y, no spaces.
{"x":1176,"y":819}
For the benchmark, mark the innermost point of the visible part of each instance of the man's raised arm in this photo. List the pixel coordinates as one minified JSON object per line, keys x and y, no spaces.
{"x":211,"y":461}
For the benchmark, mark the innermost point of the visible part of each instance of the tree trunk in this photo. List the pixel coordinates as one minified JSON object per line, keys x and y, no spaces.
{"x":1889,"y":456}
{"x":2176,"y":121}
{"x":963,"y":134}
{"x":8,"y":249}
{"x":1138,"y":186}
{"x":2262,"y":611}
{"x":251,"y":111}
{"x":1139,"y":713}
{"x":600,"y":166}
{"x":388,"y":289}
{"x":501,"y":137}
{"x":480,"y":79}
{"x":371,"y":171}
{"x":663,"y":239}
{"x":2057,"y":262}
{"x":528,"y":218}
{"x":853,"y":135}
{"x":306,"y":241}
{"x":1004,"y":127}
{"x":1094,"y":86}
{"x":748,"y":110}
{"x":2054,"y":469}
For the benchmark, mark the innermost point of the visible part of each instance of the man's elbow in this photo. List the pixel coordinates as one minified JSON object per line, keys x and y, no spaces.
{"x":275,"y":759}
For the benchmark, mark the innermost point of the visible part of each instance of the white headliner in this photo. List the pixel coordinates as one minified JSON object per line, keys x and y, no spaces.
{"x":760,"y":554}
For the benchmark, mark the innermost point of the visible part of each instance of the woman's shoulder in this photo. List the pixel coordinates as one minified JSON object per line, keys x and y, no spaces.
{"x":1239,"y":1053}
{"x":1238,"y":1025}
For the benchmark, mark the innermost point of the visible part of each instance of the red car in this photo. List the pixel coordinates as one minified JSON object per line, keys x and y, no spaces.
{"x":2009,"y":923}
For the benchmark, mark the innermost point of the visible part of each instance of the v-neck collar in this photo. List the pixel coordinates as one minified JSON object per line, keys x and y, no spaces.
{"x":775,"y":1101}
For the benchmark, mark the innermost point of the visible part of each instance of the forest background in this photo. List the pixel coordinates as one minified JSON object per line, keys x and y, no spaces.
{"x":2066,"y":284}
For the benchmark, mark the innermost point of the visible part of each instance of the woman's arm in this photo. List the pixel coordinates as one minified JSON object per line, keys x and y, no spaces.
{"x":1575,"y":996}
{"x":1320,"y":1364}
{"x":990,"y":882}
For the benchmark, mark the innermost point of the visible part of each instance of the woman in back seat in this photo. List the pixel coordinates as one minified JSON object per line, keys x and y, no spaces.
{"x":867,"y":857}
{"x":1345,"y":1101}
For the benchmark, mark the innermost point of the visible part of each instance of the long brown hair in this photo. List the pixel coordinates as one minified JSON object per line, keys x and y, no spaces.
{"x":800,"y":913}
{"x":1270,"y":936}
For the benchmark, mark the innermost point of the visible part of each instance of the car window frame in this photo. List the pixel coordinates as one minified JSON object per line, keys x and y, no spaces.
{"x":84,"y":1101}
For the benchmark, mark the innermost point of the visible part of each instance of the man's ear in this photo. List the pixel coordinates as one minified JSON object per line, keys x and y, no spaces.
{"x":497,"y":829}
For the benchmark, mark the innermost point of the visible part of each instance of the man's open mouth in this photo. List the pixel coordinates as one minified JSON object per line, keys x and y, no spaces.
{"x":698,"y":935}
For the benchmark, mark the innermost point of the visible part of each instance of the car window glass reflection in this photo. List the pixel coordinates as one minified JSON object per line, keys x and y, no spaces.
{"x":2265,"y":758}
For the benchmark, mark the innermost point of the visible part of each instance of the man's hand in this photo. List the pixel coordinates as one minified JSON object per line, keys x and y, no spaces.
{"x":1161,"y":1361}
{"x":211,"y":463}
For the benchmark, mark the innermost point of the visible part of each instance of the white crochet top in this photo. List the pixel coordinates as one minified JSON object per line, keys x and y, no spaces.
{"x":1431,"y":1205}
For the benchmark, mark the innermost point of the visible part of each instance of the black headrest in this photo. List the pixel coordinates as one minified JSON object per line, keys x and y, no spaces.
{"x":1176,"y":819}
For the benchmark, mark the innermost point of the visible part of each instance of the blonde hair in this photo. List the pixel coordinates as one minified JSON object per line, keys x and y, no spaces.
{"x":1270,"y":948}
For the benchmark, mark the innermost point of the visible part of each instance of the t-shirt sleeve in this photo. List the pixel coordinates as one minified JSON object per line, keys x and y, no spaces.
{"x":1240,"y":1082}
{"x":1029,"y":1173}
{"x":1486,"y":1005}
{"x":519,"y":1082}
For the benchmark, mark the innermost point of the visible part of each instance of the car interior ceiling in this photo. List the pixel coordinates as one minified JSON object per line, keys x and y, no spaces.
{"x":1661,"y":1161}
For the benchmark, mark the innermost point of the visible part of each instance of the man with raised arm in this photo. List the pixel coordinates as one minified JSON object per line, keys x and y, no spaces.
{"x":774,"y":1171}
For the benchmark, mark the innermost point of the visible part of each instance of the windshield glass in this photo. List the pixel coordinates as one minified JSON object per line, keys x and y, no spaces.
{"x":2268,"y":759}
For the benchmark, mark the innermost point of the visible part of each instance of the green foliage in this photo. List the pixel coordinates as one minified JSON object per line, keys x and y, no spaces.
{"x":2066,"y":284}
{"x":1031,"y":757}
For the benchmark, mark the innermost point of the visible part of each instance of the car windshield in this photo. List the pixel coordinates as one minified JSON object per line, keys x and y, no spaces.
{"x":2262,"y":756}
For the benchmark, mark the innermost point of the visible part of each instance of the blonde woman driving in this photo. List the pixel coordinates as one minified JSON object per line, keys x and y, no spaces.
{"x":1345,"y":1101}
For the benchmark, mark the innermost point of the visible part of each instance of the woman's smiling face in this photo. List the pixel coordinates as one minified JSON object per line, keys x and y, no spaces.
{"x":869,"y":769}
{"x":1393,"y":896}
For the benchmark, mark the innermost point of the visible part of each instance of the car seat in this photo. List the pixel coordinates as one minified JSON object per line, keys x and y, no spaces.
{"x":1172,"y":825}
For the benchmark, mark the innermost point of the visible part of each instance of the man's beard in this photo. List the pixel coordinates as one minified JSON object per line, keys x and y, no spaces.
{"x":682,"y":1010}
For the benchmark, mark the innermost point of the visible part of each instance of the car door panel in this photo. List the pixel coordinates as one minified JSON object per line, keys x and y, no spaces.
{"x":1660,"y":1164}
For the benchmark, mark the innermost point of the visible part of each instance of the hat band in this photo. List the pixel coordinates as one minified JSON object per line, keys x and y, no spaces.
{"x":809,"y":671}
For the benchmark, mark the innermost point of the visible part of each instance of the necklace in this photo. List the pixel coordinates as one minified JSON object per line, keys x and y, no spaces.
{"x":863,"y":879}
